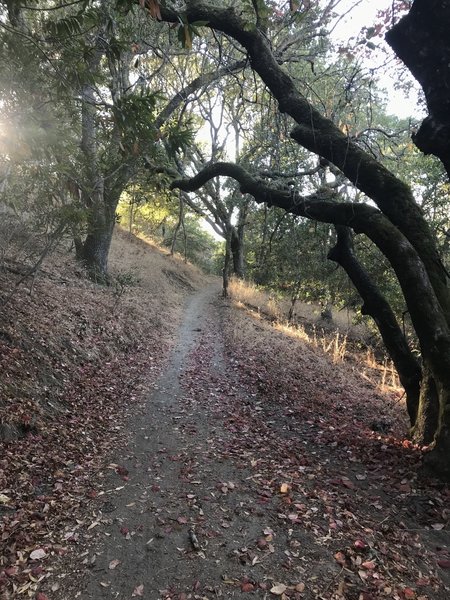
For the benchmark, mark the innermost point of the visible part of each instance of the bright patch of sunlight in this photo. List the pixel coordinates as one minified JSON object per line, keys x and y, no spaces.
{"x":354,"y":15}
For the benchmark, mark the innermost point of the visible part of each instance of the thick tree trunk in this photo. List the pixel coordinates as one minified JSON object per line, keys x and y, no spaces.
{"x":375,"y":305}
{"x":438,"y":461}
{"x":95,"y":250}
{"x":427,"y":417}
{"x":226,"y":266}
{"x":421,"y":41}
{"x":95,"y":254}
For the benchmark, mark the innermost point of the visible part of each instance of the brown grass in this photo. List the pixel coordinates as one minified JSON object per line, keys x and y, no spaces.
{"x":341,"y":340}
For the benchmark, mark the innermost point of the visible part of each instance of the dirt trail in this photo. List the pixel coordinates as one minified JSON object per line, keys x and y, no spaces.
{"x":193,"y":509}
{"x":177,"y":483}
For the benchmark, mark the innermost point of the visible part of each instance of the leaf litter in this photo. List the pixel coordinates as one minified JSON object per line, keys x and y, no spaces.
{"x":270,"y":483}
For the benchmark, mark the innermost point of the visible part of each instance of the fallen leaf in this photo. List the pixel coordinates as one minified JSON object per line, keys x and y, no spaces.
{"x":300,"y":587}
{"x":444,"y":563}
{"x":139,"y":590}
{"x":438,"y":526}
{"x":284,"y":488}
{"x":38,"y":554}
{"x":278,"y":589}
{"x":113,"y":564}
{"x":347,"y":483}
{"x":247,"y":587}
{"x":339,"y":557}
{"x":362,"y":574}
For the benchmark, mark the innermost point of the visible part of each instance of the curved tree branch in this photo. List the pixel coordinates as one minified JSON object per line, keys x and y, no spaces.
{"x":319,"y":135}
{"x":376,"y":305}
{"x":196,"y":84}
{"x":322,"y":206}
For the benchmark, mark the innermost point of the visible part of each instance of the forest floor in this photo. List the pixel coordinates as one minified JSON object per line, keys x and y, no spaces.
{"x":193,"y":451}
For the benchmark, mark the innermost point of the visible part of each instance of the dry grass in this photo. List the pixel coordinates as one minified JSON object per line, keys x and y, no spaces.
{"x":162,"y":278}
{"x":298,"y":357}
{"x":340,"y":340}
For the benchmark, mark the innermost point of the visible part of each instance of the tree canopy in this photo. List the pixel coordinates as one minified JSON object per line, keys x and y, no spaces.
{"x":171,"y":98}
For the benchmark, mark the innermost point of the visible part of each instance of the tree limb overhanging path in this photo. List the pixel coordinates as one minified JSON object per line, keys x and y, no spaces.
{"x":236,"y":481}
{"x":399,"y":229}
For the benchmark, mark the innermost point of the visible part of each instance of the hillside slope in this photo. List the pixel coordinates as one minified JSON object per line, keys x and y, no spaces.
{"x":245,"y":460}
{"x":75,"y":357}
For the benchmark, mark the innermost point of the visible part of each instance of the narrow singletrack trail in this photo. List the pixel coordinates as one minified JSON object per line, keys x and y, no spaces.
{"x":218,"y":496}
{"x":180,"y":491}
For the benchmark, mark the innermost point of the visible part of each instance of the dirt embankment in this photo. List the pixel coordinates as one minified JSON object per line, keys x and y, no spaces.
{"x":75,"y":358}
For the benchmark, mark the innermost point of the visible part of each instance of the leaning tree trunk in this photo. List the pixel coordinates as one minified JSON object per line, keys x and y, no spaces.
{"x":421,"y":41}
{"x":376,"y":306}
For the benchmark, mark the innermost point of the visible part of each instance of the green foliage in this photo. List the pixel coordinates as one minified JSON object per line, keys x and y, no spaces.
{"x":177,"y":139}
{"x":74,"y":24}
{"x":135,"y":115}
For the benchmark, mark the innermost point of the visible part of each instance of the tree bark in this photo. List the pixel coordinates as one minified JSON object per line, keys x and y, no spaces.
{"x":427,"y":418}
{"x":376,"y":305}
{"x":96,"y":246}
{"x":226,"y":265}
{"x":420,"y":39}
{"x":177,"y":226}
{"x":426,"y":312}
{"x":237,"y":251}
